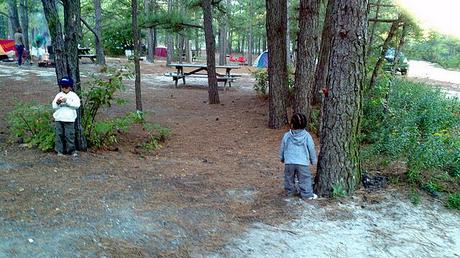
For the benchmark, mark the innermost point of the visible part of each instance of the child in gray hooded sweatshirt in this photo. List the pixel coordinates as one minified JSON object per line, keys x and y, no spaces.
{"x":297,"y":152}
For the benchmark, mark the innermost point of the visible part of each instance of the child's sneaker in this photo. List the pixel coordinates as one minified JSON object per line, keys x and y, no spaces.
{"x":74,"y":154}
{"x":314,"y":197}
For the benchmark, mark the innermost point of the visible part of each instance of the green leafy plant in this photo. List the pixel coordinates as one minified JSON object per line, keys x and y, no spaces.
{"x":415,"y":125}
{"x":156,"y":135}
{"x":338,"y":191}
{"x":261,"y":86}
{"x":453,"y":201}
{"x":414,"y":197}
{"x":33,"y":124}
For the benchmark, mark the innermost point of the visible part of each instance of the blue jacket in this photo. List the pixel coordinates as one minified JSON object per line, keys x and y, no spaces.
{"x":297,"y":147}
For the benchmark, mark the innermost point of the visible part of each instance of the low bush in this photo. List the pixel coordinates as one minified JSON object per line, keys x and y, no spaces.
{"x":33,"y":123}
{"x":418,"y":125}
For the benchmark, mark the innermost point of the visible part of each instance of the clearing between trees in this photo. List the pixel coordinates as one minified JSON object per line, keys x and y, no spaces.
{"x":213,"y":190}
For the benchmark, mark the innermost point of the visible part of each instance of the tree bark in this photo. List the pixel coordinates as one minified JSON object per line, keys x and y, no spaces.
{"x":386,"y":44}
{"x":339,"y":165}
{"x":251,"y":33}
{"x":137,"y":68}
{"x":277,"y":64}
{"x":72,"y":38}
{"x":148,"y":5}
{"x":402,"y":40}
{"x":100,"y":57}
{"x":57,"y":37}
{"x":72,"y":28}
{"x":222,"y":43}
{"x":322,"y":66}
{"x":13,"y":13}
{"x":24,"y":13}
{"x":169,"y":39}
{"x":210,"y":53}
{"x":371,"y":36}
{"x":307,"y":48}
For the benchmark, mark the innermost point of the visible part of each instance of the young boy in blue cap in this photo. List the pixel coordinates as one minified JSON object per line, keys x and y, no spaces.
{"x":65,"y":106}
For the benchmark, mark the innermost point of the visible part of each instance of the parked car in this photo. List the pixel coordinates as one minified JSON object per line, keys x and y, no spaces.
{"x":402,"y":66}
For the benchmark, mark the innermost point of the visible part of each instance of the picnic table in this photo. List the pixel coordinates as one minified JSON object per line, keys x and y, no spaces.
{"x":83,"y":52}
{"x":197,"y":68}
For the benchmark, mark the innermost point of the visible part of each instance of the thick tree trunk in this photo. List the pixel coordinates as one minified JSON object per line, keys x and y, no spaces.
{"x":24,"y":11}
{"x":57,"y":37}
{"x":307,"y":49}
{"x":100,"y":57}
{"x":322,"y":66}
{"x":339,"y":166}
{"x":72,"y":37}
{"x":137,"y":67}
{"x":277,"y":64}
{"x":13,"y":13}
{"x":288,"y":39}
{"x":210,"y":53}
{"x":386,"y":45}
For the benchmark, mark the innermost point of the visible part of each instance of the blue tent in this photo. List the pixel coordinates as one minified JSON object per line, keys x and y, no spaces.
{"x":262,"y":60}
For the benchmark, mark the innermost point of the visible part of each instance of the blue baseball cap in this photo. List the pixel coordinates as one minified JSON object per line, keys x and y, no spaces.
{"x":66,"y":81}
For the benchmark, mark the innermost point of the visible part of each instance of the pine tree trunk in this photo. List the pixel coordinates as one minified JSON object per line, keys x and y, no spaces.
{"x":251,"y":34}
{"x":210,"y":53}
{"x":371,"y":36}
{"x":148,"y":6}
{"x":24,"y":11}
{"x":13,"y":13}
{"x":307,"y":48}
{"x":222,"y":43}
{"x":339,"y":166}
{"x":277,"y":64}
{"x":169,"y":39}
{"x":385,"y":46}
{"x":57,"y":37}
{"x":322,"y":66}
{"x":72,"y":37}
{"x":137,"y":68}
{"x":100,"y":57}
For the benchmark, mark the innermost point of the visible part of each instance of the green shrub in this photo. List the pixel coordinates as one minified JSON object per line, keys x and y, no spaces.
{"x":261,"y":86}
{"x":156,"y":135}
{"x":416,"y":125}
{"x":453,"y":201}
{"x":33,"y":124}
{"x":338,"y":191}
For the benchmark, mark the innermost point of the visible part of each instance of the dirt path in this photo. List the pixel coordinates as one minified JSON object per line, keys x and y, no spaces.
{"x":215,"y":189}
{"x":447,"y":80}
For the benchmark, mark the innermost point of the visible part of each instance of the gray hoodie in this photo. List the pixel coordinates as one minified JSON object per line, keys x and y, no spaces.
{"x":297,"y":147}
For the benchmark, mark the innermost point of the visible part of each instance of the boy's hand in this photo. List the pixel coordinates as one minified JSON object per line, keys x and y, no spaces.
{"x":59,"y":101}
{"x":63,"y":100}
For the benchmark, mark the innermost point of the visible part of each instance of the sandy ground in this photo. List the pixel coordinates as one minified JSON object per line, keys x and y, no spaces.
{"x":214,"y":190}
{"x":447,"y":80}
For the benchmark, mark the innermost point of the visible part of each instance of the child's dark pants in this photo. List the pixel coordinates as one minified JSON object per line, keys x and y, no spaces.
{"x":303,"y":174}
{"x":65,"y":137}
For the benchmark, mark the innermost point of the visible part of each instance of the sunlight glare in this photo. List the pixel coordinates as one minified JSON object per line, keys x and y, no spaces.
{"x":440,"y":15}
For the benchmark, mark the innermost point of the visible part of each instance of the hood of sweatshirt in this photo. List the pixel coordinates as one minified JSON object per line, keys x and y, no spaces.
{"x":298,"y":137}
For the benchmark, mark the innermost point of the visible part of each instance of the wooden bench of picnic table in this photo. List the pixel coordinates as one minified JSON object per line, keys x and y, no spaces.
{"x":92,"y":57}
{"x":220,"y":78}
{"x":197,"y":68}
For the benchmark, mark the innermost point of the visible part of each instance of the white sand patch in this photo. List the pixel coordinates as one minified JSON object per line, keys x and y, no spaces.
{"x":19,"y":73}
{"x":392,"y":228}
{"x":422,"y":69}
